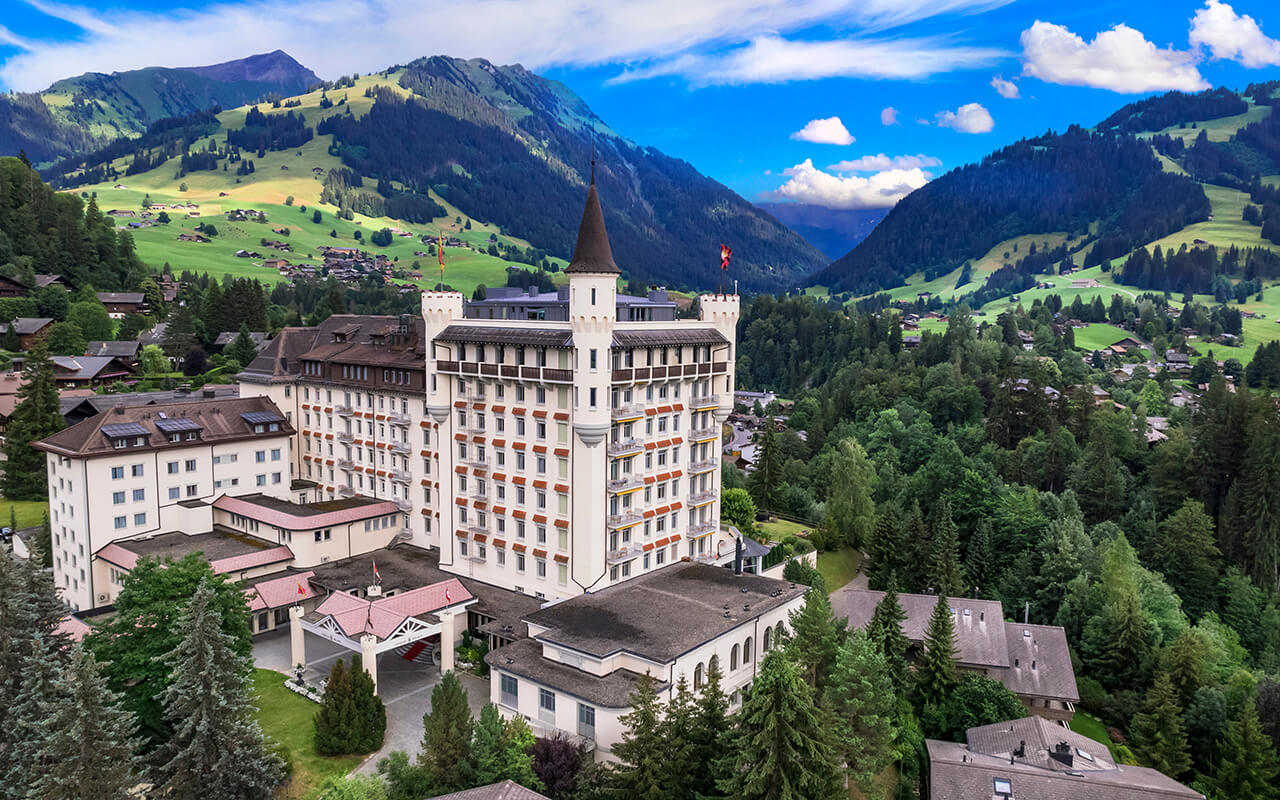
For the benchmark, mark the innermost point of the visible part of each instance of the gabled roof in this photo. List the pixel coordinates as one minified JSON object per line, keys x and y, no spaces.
{"x":84,"y":368}
{"x":382,"y":616}
{"x":25,"y":326}
{"x":365,"y":339}
{"x":507,"y":790}
{"x":592,"y":254}
{"x":122,"y":297}
{"x":979,"y":624}
{"x":114,"y":349}
{"x":279,"y":592}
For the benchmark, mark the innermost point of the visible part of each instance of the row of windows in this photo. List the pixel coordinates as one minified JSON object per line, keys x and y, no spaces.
{"x":509,"y":695}
{"x":353,"y":399}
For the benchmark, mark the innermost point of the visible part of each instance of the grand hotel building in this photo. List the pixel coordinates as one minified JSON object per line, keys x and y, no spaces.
{"x":552,"y":443}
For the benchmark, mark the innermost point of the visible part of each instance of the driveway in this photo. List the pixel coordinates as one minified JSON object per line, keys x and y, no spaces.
{"x":404,"y":686}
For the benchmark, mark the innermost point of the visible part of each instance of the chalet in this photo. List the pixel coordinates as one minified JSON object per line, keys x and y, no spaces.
{"x":1129,"y":341}
{"x":120,"y":304}
{"x":193,"y":237}
{"x":248,"y":254}
{"x":88,"y":371}
{"x":126,"y":352}
{"x":911,"y":340}
{"x":1085,"y":283}
{"x":275,"y":244}
{"x":1028,"y":340}
{"x":27,"y":328}
{"x":227,"y":337}
{"x":43,"y":281}
{"x":11,"y":287}
{"x":1177,"y":362}
{"x":122,"y":212}
{"x":10,"y":383}
{"x":275,"y":263}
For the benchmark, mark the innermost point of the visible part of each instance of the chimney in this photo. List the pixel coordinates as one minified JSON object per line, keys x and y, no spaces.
{"x":209,"y":394}
{"x":737,"y":556}
{"x":1062,"y":754}
{"x":1021,"y":752}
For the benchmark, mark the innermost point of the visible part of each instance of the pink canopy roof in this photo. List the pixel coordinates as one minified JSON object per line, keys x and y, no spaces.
{"x":279,"y":592}
{"x":382,"y":616}
{"x":303,"y":522}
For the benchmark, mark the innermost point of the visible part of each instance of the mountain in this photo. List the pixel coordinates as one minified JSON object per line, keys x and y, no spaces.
{"x":834,"y":231}
{"x":78,"y":114}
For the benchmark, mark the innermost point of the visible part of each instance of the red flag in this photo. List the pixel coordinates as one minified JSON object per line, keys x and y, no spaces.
{"x":447,"y":599}
{"x":725,"y":252}
{"x":440,"y":251}
{"x":302,"y":591}
{"x":377,"y":576}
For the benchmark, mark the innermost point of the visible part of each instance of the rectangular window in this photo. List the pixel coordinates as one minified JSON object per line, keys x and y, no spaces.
{"x":120,"y":522}
{"x":260,"y":456}
{"x":139,"y":495}
{"x":140,"y":519}
{"x":510,"y":688}
{"x":173,"y":467}
{"x":117,"y":498}
{"x":174,"y":492}
{"x":547,"y":705}
{"x":117,"y":473}
{"x":190,"y":466}
{"x":136,"y":470}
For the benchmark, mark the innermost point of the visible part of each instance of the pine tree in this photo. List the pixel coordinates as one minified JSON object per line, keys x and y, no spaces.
{"x":675,"y":731}
{"x":945,"y":575}
{"x":1247,"y":769}
{"x":1158,"y":730}
{"x":37,"y":416}
{"x":446,"y":753}
{"x":86,"y":746}
{"x":815,"y":643}
{"x":709,"y":738}
{"x":242,"y":349}
{"x":335,"y":721}
{"x":861,"y":698}
{"x":782,"y":748}
{"x":936,"y":673}
{"x":883,"y":549}
{"x":640,"y":769}
{"x":370,"y":715}
{"x":980,"y":559}
{"x":217,"y":748}
{"x":884,"y":630}
{"x":486,"y":746}
{"x":768,"y":471}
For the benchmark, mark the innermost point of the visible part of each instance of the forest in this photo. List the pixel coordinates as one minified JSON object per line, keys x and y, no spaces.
{"x":1174,"y":108}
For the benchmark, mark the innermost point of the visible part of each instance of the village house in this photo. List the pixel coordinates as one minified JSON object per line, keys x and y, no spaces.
{"x":121,"y":304}
{"x":27,"y":328}
{"x":88,"y":371}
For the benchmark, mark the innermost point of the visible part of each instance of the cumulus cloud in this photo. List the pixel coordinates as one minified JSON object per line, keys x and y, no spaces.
{"x":1006,"y":89}
{"x":738,"y":39}
{"x":889,"y":116}
{"x":881,"y":162}
{"x":1232,"y":36}
{"x":968,"y":118}
{"x":1120,"y":59}
{"x":824,"y":131}
{"x":810,"y":185}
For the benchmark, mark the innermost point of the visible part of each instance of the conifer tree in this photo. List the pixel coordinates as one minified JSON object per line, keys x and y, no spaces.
{"x":370,"y":715}
{"x":36,"y":416}
{"x":641,"y":769}
{"x":486,"y":746}
{"x":884,"y":630}
{"x":980,"y":559}
{"x":936,"y":673}
{"x":945,"y":575}
{"x":517,"y":754}
{"x":815,"y":643}
{"x":242,"y":349}
{"x":884,"y":549}
{"x":217,"y":748}
{"x":86,"y":745}
{"x":1159,"y":732}
{"x":768,"y":471}
{"x":861,"y":698}
{"x":676,"y":730}
{"x":851,"y":510}
{"x":335,"y":721}
{"x":782,"y":747}
{"x":1247,"y":769}
{"x":446,"y":755}
{"x":31,"y":704}
{"x":709,"y":738}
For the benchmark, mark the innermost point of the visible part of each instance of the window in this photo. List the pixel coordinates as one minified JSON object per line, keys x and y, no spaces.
{"x":733,"y":658}
{"x":746,"y":651}
{"x":139,"y":495}
{"x":586,"y":715}
{"x":261,"y":480}
{"x":120,"y":522}
{"x":547,"y":705}
{"x":136,"y":470}
{"x":173,"y":467}
{"x":117,"y":473}
{"x":191,"y":490}
{"x":190,"y":466}
{"x":117,"y":498}
{"x":174,"y":492}
{"x":140,"y":519}
{"x":1003,"y":786}
{"x":510,"y":691}
{"x":260,"y":456}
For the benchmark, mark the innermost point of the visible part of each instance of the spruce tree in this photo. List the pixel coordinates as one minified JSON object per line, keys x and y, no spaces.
{"x":335,"y":722}
{"x":936,"y":673}
{"x":242,"y":349}
{"x":675,"y":731}
{"x":884,"y":630}
{"x":217,"y":748}
{"x":768,"y":471}
{"x":980,"y":558}
{"x":86,"y":745}
{"x":1247,"y":769}
{"x":709,"y":738}
{"x":370,"y":715}
{"x":782,"y":748}
{"x":944,"y":574}
{"x":37,"y":416}
{"x":884,"y":549}
{"x":1158,"y":730}
{"x":32,"y":704}
{"x":815,"y":643}
{"x":446,"y":755}
{"x":486,"y":746}
{"x":861,"y":698}
{"x":641,"y":768}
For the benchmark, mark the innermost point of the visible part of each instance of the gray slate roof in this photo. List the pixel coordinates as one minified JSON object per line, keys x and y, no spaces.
{"x":507,"y":790}
{"x":980,"y":634}
{"x":25,"y":326}
{"x":524,"y":659}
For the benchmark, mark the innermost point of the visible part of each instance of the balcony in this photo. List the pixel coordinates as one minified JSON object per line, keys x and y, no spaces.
{"x":396,"y":418}
{"x":702,"y":434}
{"x":402,"y":504}
{"x":624,"y":484}
{"x":706,"y":401}
{"x":623,"y":554}
{"x":401,"y":447}
{"x":473,"y":430}
{"x":704,"y":466}
{"x":706,"y":558}
{"x":344,"y":410}
{"x":345,"y":436}
{"x":480,"y":497}
{"x":399,"y":476}
{"x":346,"y":491}
{"x":477,"y":530}
{"x":474,"y":463}
{"x":473,"y":397}
{"x":346,"y":463}
{"x":702,"y":528}
{"x":624,"y":519}
{"x":629,"y":411}
{"x":702,"y":498}
{"x":624,"y":447}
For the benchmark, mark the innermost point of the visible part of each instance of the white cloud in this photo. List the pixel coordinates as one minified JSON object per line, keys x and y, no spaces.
{"x":882,"y":162}
{"x":774,"y":59}
{"x":1006,"y":89}
{"x":968,"y":118}
{"x":12,"y":39}
{"x":1232,"y":36}
{"x":810,"y":185}
{"x":824,"y":131}
{"x":659,"y":37}
{"x":1119,"y":59}
{"x":889,"y":116}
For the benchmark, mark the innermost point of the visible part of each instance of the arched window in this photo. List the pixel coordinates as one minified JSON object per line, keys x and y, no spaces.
{"x":733,"y":658}
{"x":714,"y":664}
{"x":768,"y":639}
{"x":779,"y":634}
{"x":747,"y":651}
{"x":697,"y":677}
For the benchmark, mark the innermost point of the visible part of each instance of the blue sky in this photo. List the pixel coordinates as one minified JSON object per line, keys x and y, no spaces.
{"x":783,"y":101}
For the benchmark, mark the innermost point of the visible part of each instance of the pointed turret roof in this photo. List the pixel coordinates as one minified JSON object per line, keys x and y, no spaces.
{"x":592,"y":254}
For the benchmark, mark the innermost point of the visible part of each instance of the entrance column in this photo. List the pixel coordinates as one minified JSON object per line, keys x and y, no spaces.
{"x":447,"y":639}
{"x":369,"y":657}
{"x":297,"y":643}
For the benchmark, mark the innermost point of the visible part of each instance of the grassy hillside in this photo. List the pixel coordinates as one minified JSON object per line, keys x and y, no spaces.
{"x":278,"y":176}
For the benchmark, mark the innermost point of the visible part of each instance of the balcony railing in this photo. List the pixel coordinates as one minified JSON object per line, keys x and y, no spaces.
{"x":346,"y":463}
{"x":706,"y":401}
{"x":403,"y":505}
{"x":706,"y":558}
{"x":704,"y":433}
{"x":474,"y":463}
{"x":699,"y":528}
{"x":699,"y":498}
{"x":623,"y":519}
{"x":629,"y":411}
{"x":480,"y":497}
{"x":704,"y":466}
{"x":400,"y":447}
{"x":623,"y":554}
{"x":396,"y":418}
{"x":623,"y":484}
{"x":477,"y":530}
{"x":623,"y":447}
{"x":344,"y":410}
{"x":346,"y":491}
{"x":399,"y":476}
{"x":345,"y":436}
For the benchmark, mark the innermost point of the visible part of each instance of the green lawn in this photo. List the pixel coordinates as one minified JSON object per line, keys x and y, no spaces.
{"x":1091,"y":726}
{"x":29,"y":512}
{"x":779,"y":529}
{"x":838,"y":567}
{"x":287,"y":718}
{"x":1098,"y":336}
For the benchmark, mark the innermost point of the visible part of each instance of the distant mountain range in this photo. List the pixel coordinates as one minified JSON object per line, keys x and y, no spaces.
{"x":834,"y":231}
{"x":76,"y":115}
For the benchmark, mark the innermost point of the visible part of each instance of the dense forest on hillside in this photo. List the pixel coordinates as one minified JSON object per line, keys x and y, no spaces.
{"x":1050,"y":183}
{"x":1162,"y":560}
{"x":1174,"y":108}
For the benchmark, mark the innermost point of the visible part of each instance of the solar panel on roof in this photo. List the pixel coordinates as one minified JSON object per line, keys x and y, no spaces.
{"x":178,"y":424}
{"x":121,"y":429}
{"x":255,"y":417}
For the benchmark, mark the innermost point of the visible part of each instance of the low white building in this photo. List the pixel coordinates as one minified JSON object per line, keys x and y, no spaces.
{"x":584,"y":656}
